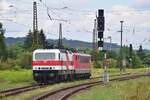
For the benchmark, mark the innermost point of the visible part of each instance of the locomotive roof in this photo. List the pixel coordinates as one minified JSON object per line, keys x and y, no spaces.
{"x":83,"y":54}
{"x":58,"y":51}
{"x":48,"y":50}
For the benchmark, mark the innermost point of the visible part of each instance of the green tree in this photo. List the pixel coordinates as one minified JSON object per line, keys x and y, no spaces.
{"x":42,"y":39}
{"x":136,"y":61}
{"x":25,"y":60}
{"x":146,"y":60}
{"x":95,"y":57}
{"x":112,"y":55}
{"x":29,"y":40}
{"x":15,"y":51}
{"x":141,"y":53}
{"x":3,"y":51}
{"x":35,"y":40}
{"x":112,"y":63}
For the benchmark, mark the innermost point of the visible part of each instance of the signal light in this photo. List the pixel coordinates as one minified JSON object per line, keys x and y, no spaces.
{"x":100,"y":35}
{"x":100,"y":23}
{"x":100,"y":12}
{"x":100,"y":43}
{"x":130,"y":50}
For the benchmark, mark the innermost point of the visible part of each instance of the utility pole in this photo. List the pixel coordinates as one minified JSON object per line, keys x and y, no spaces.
{"x":93,"y":39}
{"x":94,"y":36}
{"x":121,"y":53}
{"x":60,"y":45}
{"x":110,"y":42}
{"x":35,"y":24}
{"x":93,"y":54}
{"x":95,"y":45}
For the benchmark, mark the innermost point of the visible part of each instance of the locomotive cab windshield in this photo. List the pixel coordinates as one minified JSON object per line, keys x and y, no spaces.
{"x":44,"y":56}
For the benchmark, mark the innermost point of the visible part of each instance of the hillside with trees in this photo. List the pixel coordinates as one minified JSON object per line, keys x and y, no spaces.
{"x":16,"y":53}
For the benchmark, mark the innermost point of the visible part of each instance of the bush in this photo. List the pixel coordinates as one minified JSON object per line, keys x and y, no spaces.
{"x":17,"y":68}
{"x":9,"y":64}
{"x":112,"y":63}
{"x":136,"y":62}
{"x":4,"y":66}
{"x":146,"y":60}
{"x":97,"y":64}
{"x":25,"y":60}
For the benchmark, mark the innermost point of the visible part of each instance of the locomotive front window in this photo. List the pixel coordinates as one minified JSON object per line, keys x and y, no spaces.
{"x":44,"y":56}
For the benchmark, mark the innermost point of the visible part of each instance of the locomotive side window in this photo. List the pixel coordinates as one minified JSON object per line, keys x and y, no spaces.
{"x":70,"y":57}
{"x":44,"y":56}
{"x":84,"y":59}
{"x":63,"y":56}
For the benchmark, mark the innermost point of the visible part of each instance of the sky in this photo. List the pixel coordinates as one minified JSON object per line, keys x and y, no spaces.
{"x":77,"y":18}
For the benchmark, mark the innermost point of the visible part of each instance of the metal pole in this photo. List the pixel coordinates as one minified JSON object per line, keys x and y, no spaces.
{"x":110,"y":40}
{"x":60,"y":37}
{"x":96,"y":36}
{"x":105,"y":75}
{"x":35,"y":24}
{"x":121,"y":53}
{"x":94,"y":41}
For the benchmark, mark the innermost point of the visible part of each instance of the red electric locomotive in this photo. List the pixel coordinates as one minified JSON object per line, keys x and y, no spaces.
{"x":52,"y":65}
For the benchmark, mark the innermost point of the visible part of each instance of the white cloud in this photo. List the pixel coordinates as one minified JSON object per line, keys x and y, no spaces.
{"x":143,"y":1}
{"x":80,"y":23}
{"x":133,"y":20}
{"x":4,"y":6}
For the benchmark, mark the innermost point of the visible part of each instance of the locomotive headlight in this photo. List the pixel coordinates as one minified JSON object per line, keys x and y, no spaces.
{"x":51,"y":74}
{"x":36,"y":74}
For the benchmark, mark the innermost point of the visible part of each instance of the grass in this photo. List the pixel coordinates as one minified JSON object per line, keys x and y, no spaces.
{"x":138,"y":89}
{"x":12,"y":78}
{"x":112,"y":71}
{"x":30,"y":94}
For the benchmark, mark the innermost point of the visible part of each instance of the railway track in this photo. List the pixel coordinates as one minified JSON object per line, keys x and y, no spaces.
{"x":19,"y":90}
{"x":15,"y":91}
{"x":115,"y":75}
{"x":64,"y":93}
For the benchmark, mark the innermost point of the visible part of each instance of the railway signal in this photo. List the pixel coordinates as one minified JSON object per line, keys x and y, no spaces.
{"x":130,"y":51}
{"x":130,"y":55}
{"x":100,"y":27}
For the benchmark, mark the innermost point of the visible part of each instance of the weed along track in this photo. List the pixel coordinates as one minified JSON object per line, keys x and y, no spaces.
{"x":65,"y":93}
{"x":62,"y":92}
{"x":16,"y":91}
